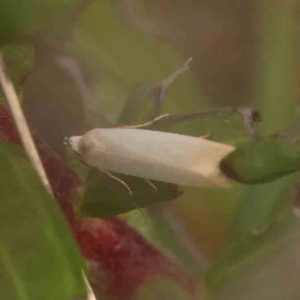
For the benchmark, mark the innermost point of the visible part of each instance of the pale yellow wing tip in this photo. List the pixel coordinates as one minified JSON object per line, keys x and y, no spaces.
{"x":220,"y":181}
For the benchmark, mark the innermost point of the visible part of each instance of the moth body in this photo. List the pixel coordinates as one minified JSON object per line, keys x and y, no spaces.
{"x":168,"y":157}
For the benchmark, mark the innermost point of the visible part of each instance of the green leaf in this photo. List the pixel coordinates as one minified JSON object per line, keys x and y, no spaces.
{"x":107,"y":197}
{"x":22,"y":19}
{"x":261,"y":206}
{"x":19,"y":61}
{"x":141,"y":102}
{"x":262,"y":161}
{"x":39,"y":258}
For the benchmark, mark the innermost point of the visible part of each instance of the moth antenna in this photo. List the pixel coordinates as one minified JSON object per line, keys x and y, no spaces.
{"x":147,"y":124}
{"x":80,"y":158}
{"x":118,"y":179}
{"x":151,"y":184}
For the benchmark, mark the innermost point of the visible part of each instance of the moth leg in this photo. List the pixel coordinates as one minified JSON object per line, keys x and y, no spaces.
{"x":127,"y":188}
{"x":118,"y":179}
{"x":147,"y":124}
{"x":205,"y":136}
{"x":151,"y":184}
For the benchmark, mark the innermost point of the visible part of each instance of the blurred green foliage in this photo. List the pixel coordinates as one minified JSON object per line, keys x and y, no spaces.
{"x":19,"y":61}
{"x":120,"y":58}
{"x":39,"y":257}
{"x":262,"y":206}
{"x":20,"y":20}
{"x":257,"y":268}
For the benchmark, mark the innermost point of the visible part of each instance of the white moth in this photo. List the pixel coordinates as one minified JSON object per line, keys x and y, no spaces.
{"x":168,"y":157}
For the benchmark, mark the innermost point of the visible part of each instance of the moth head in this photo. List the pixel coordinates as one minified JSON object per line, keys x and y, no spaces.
{"x":90,"y":147}
{"x":73,"y":142}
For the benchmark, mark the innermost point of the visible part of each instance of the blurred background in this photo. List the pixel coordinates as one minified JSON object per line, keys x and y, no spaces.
{"x":245,"y":53}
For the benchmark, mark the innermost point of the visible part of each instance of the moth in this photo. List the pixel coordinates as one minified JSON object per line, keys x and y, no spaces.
{"x":154,"y":155}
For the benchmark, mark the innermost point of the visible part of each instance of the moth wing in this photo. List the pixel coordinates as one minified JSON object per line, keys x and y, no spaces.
{"x":156,"y":155}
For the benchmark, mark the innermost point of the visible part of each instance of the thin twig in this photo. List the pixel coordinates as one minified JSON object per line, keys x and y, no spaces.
{"x":160,"y":90}
{"x":90,"y":294}
{"x":20,"y":121}
{"x":169,"y":80}
{"x":249,"y":115}
{"x":27,"y":140}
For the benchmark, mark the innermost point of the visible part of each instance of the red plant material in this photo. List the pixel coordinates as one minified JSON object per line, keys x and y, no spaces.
{"x":125,"y":256}
{"x":120,"y":258}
